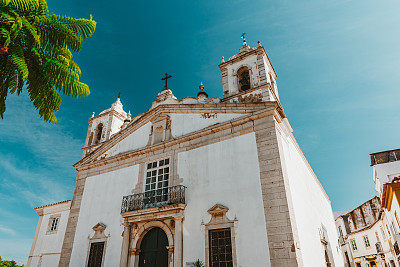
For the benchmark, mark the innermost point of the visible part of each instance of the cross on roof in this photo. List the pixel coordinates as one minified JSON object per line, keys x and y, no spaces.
{"x":165,"y":79}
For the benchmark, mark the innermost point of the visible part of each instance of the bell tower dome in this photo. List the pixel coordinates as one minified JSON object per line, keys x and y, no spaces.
{"x":250,"y":71}
{"x":103,"y":126}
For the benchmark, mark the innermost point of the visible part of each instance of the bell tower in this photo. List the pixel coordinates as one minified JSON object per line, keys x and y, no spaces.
{"x":103,"y":126}
{"x":250,"y":71}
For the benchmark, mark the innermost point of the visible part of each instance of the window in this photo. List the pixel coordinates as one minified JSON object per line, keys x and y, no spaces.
{"x":220,"y":248}
{"x":353,"y":244}
{"x":340,"y":231}
{"x":358,"y":264}
{"x":53,"y":224}
{"x":396,"y":248}
{"x":96,"y":254}
{"x":347,"y":259}
{"x":54,"y":221}
{"x":366,"y":241}
{"x":157,"y":182}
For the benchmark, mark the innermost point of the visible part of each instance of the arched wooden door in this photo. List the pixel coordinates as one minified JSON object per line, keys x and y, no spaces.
{"x":153,"y":249}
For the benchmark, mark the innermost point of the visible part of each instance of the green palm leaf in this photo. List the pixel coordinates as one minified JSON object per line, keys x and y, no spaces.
{"x":35,"y":52}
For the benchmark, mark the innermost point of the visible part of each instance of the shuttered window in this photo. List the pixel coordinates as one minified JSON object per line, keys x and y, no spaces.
{"x":220,"y":248}
{"x":96,"y":254}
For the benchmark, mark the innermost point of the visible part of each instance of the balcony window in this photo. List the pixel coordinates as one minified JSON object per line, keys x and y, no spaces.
{"x":157,"y":181}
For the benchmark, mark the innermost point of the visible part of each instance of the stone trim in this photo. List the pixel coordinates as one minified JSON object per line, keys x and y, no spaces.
{"x":168,"y":218}
{"x":34,"y":241}
{"x":219,"y":220}
{"x":97,"y":237}
{"x":72,"y":222}
{"x":177,"y":108}
{"x":259,"y":50}
{"x":277,"y":203}
{"x":212,"y":134}
{"x":51,"y":218}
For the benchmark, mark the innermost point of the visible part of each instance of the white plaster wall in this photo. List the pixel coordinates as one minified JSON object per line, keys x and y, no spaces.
{"x":48,"y":246}
{"x":135,"y":140}
{"x":312,"y":208}
{"x":384,"y":173}
{"x":116,"y":124}
{"x":226,"y":173}
{"x":339,"y":222}
{"x":101,"y":202}
{"x":391,"y":215}
{"x":186,"y":123}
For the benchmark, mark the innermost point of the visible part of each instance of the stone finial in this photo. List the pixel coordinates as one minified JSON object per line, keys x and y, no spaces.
{"x":129,"y":114}
{"x":259,"y":44}
{"x":222,"y":60}
{"x":202,"y":93}
{"x":92,"y":115}
{"x":201,"y":87}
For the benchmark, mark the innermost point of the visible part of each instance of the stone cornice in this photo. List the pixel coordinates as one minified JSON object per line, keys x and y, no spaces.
{"x":114,"y":112}
{"x":239,"y":57}
{"x":185,"y":139}
{"x":149,"y":214}
{"x":174,"y":108}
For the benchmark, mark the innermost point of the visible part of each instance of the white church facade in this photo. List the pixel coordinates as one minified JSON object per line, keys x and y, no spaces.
{"x":221,"y":180}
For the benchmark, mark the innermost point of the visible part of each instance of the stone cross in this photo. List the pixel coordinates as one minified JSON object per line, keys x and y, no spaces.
{"x":165,"y":79}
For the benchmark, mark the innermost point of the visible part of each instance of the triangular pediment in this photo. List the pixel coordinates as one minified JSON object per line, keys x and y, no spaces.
{"x":218,"y":209}
{"x":185,"y":119}
{"x":99,"y":227}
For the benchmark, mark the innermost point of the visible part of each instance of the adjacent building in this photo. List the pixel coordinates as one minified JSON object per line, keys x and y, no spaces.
{"x":222,"y":180}
{"x":49,"y":235}
{"x":364,"y":238}
{"x":386,"y":167}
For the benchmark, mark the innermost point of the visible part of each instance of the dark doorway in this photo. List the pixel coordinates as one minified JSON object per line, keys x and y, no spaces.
{"x":153,"y":249}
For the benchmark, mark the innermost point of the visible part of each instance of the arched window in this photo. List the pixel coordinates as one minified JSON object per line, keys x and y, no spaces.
{"x":99,"y":132}
{"x":243,"y":75}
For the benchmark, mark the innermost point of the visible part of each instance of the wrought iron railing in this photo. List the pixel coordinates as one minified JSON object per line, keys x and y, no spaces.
{"x":154,"y":198}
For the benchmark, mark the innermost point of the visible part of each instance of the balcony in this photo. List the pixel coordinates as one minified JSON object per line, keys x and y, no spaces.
{"x":154,"y":198}
{"x":385,"y":157}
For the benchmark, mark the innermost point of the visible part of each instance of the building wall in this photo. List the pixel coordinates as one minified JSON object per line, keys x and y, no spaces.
{"x":187,"y":123}
{"x":216,"y":173}
{"x":47,"y":248}
{"x":362,"y":250}
{"x":384,"y":173}
{"x":101,"y":202}
{"x":135,"y":140}
{"x":312,"y":207}
{"x":226,"y":173}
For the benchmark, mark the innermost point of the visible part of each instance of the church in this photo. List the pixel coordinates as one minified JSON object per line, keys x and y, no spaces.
{"x":217,"y":180}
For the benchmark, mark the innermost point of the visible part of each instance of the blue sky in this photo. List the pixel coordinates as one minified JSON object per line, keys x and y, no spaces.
{"x":338,"y":68}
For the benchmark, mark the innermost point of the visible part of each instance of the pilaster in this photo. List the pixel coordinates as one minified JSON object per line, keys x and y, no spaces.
{"x":69,"y":236}
{"x":280,"y":227}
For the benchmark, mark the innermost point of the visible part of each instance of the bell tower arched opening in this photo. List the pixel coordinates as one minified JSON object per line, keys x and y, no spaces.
{"x":99,"y":132}
{"x":243,"y":75}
